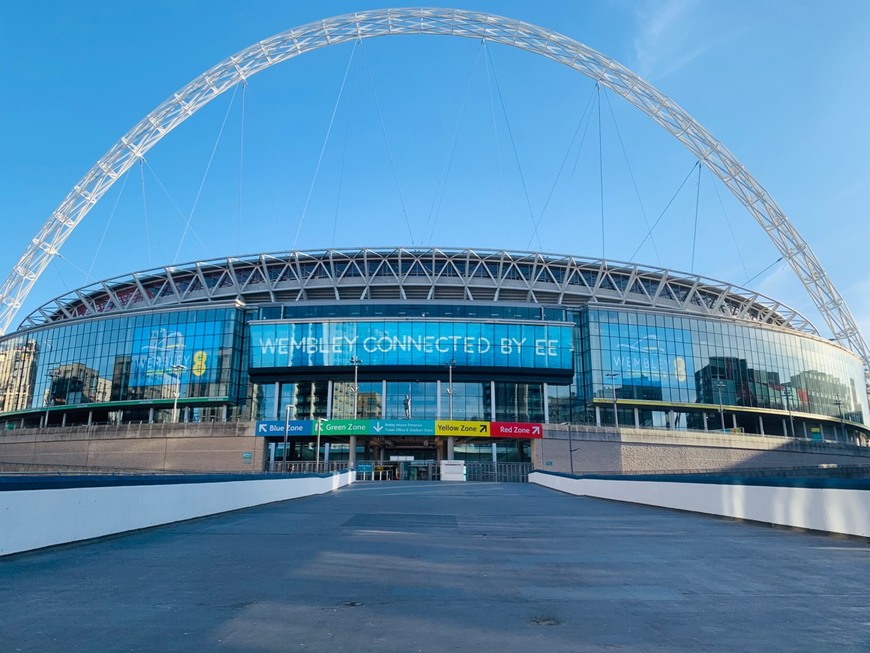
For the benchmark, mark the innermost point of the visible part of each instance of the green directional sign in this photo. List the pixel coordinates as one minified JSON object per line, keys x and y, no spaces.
{"x":344,"y":427}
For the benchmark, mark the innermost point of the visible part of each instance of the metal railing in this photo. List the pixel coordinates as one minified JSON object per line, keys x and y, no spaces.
{"x":370,"y":470}
{"x":498,"y":472}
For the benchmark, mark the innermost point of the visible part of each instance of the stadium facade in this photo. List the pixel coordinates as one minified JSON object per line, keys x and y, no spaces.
{"x":429,"y":334}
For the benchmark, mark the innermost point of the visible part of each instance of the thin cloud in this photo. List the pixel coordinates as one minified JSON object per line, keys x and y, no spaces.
{"x":672,"y":34}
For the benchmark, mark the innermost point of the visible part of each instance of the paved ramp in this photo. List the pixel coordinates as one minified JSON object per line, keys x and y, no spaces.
{"x":443,"y":567}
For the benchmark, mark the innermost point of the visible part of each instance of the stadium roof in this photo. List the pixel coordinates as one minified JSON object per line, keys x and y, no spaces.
{"x":418,"y":274}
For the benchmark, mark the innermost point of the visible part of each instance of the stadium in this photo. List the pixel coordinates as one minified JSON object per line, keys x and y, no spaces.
{"x":428,"y":334}
{"x":421,"y":353}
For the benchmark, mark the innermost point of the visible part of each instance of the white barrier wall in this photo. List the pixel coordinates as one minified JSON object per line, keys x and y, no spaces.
{"x":32,"y":519}
{"x":821,"y":509}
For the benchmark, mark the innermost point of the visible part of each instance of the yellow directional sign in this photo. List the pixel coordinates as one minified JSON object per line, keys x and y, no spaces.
{"x":463,"y":429}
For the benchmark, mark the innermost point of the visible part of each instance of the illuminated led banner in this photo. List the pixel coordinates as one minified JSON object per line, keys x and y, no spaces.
{"x":481,"y":344}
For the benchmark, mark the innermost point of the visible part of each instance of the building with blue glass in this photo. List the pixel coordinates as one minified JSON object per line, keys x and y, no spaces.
{"x":428,"y":334}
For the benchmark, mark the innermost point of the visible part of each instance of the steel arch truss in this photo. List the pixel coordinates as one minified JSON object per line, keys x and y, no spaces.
{"x":399,"y":274}
{"x":449,"y":22}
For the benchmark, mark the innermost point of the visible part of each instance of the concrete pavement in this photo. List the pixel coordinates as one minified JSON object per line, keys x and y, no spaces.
{"x":443,"y":567}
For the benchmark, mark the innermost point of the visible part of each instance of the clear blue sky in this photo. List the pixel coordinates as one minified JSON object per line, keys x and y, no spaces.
{"x":784,"y":85}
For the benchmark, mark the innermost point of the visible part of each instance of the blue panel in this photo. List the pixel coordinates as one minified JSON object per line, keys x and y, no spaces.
{"x":323,"y":344}
{"x":159,"y":349}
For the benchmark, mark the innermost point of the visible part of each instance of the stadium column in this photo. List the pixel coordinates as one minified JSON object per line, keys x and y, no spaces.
{"x":351,"y":443}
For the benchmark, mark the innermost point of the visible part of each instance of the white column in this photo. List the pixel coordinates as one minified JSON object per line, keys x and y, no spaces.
{"x":546,"y":405}
{"x":492,"y":400}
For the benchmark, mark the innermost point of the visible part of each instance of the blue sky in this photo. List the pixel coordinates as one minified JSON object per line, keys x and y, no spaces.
{"x":784,"y":85}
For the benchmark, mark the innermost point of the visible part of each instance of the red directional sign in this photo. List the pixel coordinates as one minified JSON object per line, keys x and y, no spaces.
{"x":517,"y":430}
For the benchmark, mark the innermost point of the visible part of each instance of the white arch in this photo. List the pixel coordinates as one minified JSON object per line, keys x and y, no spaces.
{"x":450,"y":22}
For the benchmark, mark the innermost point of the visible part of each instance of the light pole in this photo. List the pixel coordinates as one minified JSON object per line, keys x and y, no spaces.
{"x":177,"y":369}
{"x":450,"y":365}
{"x":355,"y":389}
{"x":351,"y":441}
{"x":786,"y":394}
{"x":612,"y":376}
{"x":838,"y":402}
{"x":286,"y":434}
{"x":317,"y":452}
{"x":720,"y":385}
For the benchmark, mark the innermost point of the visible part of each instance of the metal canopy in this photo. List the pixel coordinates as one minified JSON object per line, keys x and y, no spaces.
{"x":419,"y":274}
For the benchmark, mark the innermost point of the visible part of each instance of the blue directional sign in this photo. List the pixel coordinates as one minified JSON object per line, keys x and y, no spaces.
{"x":269,"y":427}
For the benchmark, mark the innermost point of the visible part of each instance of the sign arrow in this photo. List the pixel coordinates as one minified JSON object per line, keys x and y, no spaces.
{"x":377,"y":428}
{"x":262,"y":428}
{"x":536,"y":430}
{"x":484,"y":428}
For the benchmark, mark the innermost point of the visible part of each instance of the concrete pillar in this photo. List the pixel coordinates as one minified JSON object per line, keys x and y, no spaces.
{"x":760,"y":425}
{"x":450,"y":448}
{"x":351,"y":451}
{"x":806,"y":434}
{"x":636,"y":418}
{"x":151,"y":415}
{"x":63,"y":419}
{"x":704,"y":417}
{"x":90,"y":417}
{"x":546,"y":407}
{"x":326,"y":453}
{"x":491,"y":401}
{"x":734,"y":420}
{"x":598,"y":416}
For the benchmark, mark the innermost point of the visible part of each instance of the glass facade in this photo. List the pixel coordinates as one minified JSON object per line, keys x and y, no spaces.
{"x":678,"y":361}
{"x":523,"y":363}
{"x":191,"y":354}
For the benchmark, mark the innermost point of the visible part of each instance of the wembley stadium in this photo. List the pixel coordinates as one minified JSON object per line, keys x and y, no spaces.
{"x":427,"y":354}
{"x":428,"y":334}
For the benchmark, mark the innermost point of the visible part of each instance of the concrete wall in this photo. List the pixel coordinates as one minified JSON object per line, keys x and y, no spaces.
{"x":32,"y":519}
{"x":822,"y":509}
{"x":217,"y":446}
{"x":220,"y":446}
{"x":605,"y":450}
